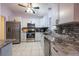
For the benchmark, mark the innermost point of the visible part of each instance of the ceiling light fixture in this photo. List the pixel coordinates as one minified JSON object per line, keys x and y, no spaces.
{"x":29,"y":10}
{"x":29,"y":7}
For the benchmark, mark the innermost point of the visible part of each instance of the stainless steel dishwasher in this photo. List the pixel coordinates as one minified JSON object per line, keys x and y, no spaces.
{"x":47,"y":47}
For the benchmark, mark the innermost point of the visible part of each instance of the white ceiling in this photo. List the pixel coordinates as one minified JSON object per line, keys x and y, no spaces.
{"x":40,"y":12}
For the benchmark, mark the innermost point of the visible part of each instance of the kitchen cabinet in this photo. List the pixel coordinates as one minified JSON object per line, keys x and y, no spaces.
{"x":76,"y":12}
{"x":42,"y":41}
{"x":38,"y":36}
{"x":43,"y":22}
{"x":47,"y":47}
{"x":64,"y":49}
{"x":52,"y":47}
{"x":47,"y":20}
{"x":38,"y":23}
{"x":68,"y":12}
{"x":56,"y":50}
{"x":53,"y":15}
{"x":2,"y":28}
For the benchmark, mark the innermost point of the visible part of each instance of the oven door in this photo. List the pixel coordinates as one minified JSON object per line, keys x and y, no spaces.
{"x":30,"y":35}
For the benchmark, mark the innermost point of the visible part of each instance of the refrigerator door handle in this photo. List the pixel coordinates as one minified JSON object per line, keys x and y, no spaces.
{"x":9,"y":29}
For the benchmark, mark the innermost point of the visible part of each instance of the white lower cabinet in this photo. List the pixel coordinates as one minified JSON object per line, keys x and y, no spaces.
{"x":57,"y":50}
{"x":53,"y":52}
{"x":47,"y":47}
{"x":38,"y":36}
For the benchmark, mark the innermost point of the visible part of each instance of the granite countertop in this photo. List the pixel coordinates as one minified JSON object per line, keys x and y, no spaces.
{"x":67,"y":47}
{"x":51,"y":38}
{"x":4,"y":43}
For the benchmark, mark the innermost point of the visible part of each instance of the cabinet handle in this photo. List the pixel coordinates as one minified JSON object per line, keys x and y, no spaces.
{"x":55,"y":49}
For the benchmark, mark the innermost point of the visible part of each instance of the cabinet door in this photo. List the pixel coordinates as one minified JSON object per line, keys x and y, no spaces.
{"x":2,"y":28}
{"x":37,"y":36}
{"x":66,"y":12}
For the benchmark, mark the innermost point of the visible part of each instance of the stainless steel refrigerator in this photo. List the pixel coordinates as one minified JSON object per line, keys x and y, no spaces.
{"x":13,"y":31}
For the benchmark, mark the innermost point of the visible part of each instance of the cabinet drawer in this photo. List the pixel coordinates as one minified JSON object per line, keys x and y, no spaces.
{"x":54,"y":52}
{"x":57,"y":50}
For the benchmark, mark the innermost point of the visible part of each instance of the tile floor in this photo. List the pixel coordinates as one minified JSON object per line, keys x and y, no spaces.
{"x":27,"y":49}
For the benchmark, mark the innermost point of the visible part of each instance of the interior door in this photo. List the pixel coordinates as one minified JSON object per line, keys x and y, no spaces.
{"x":2,"y":30}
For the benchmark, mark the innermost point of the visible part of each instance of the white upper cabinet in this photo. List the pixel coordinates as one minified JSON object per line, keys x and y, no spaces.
{"x":50,"y":18}
{"x":76,"y":12}
{"x":54,"y":14}
{"x":68,"y":12}
{"x":44,"y":21}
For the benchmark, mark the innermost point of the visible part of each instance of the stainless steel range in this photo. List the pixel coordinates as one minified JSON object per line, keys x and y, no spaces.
{"x":31,"y":30}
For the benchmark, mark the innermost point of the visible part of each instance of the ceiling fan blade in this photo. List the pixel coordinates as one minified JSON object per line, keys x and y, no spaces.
{"x":36,"y":7}
{"x":33,"y":11}
{"x":21,"y":5}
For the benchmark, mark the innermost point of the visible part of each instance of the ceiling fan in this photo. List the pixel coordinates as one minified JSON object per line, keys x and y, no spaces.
{"x":28,"y":6}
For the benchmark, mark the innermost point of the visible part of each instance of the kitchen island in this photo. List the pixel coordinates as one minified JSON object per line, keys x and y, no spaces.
{"x":64,"y":48}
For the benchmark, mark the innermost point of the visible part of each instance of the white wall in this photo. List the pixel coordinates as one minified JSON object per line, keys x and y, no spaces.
{"x":7,"y":13}
{"x":4,"y":11}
